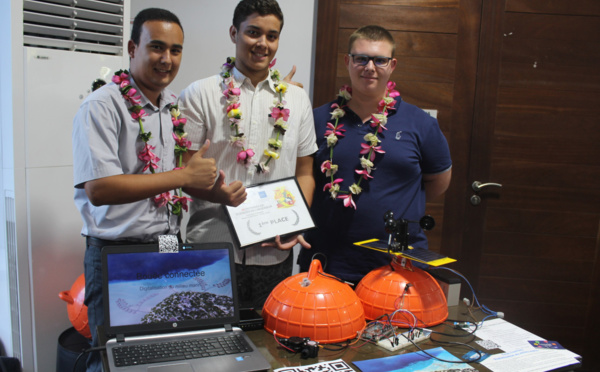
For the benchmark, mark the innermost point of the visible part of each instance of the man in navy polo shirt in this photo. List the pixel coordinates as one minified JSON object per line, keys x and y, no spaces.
{"x":376,"y":153}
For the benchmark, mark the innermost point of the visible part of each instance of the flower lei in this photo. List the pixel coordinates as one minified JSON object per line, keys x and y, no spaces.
{"x":370,"y":148}
{"x":279,"y":114}
{"x":177,"y":201}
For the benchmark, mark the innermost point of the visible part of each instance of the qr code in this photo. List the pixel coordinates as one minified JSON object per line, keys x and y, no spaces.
{"x":488,"y":344}
{"x":168,"y":244}
{"x":332,"y":366}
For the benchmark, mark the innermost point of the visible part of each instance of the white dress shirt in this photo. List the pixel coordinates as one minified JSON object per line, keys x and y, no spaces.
{"x":204,"y":106}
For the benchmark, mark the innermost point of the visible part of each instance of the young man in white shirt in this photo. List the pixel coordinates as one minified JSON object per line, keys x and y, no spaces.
{"x":248,"y":145}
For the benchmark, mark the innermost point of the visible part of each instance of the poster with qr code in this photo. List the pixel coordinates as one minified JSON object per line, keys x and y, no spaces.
{"x":337,"y":365}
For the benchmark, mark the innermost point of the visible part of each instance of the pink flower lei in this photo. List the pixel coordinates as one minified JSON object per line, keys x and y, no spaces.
{"x":370,"y":148}
{"x":176,"y":201}
{"x":279,"y":115}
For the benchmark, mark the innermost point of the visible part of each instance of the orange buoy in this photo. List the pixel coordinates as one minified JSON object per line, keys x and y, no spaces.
{"x":314,"y":305}
{"x":395,"y":286}
{"x":76,"y":310}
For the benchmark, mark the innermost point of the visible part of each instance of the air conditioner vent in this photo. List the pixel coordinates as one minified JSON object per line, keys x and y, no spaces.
{"x":90,"y":26}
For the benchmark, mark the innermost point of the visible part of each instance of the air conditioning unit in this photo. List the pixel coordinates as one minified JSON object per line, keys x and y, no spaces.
{"x":89,"y":26}
{"x":66,"y":45}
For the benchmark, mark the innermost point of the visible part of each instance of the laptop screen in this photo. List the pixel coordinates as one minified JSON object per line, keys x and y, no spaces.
{"x":150,"y":292}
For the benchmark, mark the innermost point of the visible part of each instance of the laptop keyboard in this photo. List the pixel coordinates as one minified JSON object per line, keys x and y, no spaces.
{"x":179,"y":350}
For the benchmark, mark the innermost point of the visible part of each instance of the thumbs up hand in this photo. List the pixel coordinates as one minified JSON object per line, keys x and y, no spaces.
{"x":202,"y":171}
{"x":233,"y":194}
{"x":288,"y":78}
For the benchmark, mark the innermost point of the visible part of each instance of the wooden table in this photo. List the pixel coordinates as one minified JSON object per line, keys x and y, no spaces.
{"x":280,"y":357}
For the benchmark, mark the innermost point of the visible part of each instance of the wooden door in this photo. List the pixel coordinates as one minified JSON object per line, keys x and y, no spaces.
{"x":517,"y":89}
{"x":533,"y":245}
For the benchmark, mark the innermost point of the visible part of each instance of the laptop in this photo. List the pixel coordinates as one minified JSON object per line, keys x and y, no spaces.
{"x":181,"y":297}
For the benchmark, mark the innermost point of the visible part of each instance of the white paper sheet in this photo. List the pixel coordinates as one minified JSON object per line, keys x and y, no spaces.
{"x":532,"y":360}
{"x":519,"y":354}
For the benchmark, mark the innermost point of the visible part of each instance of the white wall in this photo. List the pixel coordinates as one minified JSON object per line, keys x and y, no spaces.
{"x":36,"y":168}
{"x":5,"y":154}
{"x":13,"y":176}
{"x":207,"y":44}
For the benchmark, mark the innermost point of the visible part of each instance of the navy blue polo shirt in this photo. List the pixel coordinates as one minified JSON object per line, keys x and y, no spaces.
{"x":414,"y":145}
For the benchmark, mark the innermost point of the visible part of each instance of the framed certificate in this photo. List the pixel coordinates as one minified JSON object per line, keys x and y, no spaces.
{"x":270,"y":209}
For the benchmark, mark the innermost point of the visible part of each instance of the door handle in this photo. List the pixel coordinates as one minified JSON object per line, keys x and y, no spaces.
{"x":477,"y":186}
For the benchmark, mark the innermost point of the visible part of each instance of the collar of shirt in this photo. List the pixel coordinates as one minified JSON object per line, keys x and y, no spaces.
{"x":240,"y":78}
{"x":389,"y":113}
{"x":167,"y":97}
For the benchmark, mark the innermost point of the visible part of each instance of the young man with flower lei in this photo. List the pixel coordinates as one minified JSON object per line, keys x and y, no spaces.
{"x":127,"y":138}
{"x":261,"y":129}
{"x":376,"y":153}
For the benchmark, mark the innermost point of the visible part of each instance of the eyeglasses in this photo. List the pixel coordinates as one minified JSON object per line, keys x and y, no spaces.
{"x":363,"y":60}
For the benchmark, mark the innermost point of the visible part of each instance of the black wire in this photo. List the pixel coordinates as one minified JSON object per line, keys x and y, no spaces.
{"x":466,"y":344}
{"x":316,"y":257}
{"x":389,"y":320}
{"x":77,"y":360}
{"x":89,"y":350}
{"x":461,"y":344}
{"x":467,"y":333}
{"x":339,"y":347}
{"x":330,"y":276}
{"x":466,"y":341}
{"x":444,"y":342}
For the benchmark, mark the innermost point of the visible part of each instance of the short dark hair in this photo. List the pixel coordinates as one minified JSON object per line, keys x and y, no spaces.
{"x":151,"y":14}
{"x":373,"y":33}
{"x":245,"y":8}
